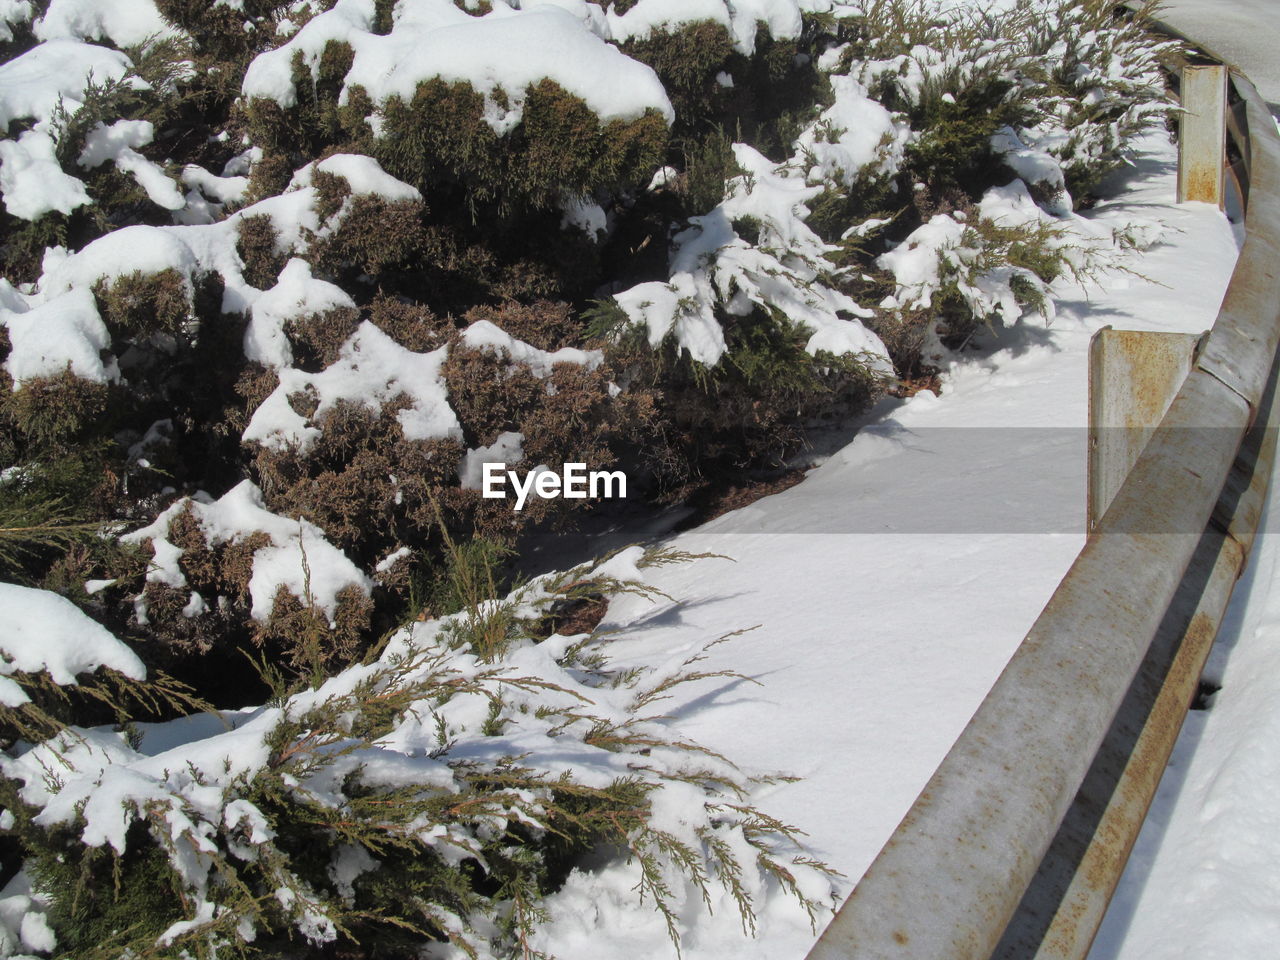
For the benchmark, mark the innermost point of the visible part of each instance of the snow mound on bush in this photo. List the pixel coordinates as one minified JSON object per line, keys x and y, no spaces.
{"x":372,"y":370}
{"x":507,"y":50}
{"x":298,"y":557}
{"x":64,"y":333}
{"x":50,"y":77}
{"x":713,"y":268}
{"x":45,"y":633}
{"x":854,"y":136}
{"x":126,"y":23}
{"x":560,"y":725}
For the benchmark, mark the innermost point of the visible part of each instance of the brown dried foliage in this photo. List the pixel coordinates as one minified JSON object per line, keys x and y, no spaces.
{"x":140,"y":303}
{"x":52,"y":410}
{"x":410,"y":324}
{"x":374,"y":236}
{"x":257,"y":245}
{"x":317,"y":338}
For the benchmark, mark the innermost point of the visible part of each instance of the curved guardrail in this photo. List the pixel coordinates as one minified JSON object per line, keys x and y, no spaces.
{"x":1015,"y":845}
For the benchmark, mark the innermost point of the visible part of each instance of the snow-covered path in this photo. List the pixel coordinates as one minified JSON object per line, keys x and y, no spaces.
{"x":1245,"y":32}
{"x":892,"y":585}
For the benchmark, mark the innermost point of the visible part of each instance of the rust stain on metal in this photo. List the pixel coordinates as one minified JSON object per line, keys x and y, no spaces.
{"x":1202,"y":184}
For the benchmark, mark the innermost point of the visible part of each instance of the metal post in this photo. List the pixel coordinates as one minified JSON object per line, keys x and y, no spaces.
{"x":1202,"y":137}
{"x":1133,"y":377}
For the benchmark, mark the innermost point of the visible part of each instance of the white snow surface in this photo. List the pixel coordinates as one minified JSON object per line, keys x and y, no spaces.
{"x":371,"y":370}
{"x":507,"y":449}
{"x":712,"y":266}
{"x":296,"y":294}
{"x":13,"y":12}
{"x":31,"y":180}
{"x":854,"y":136}
{"x":44,"y":632}
{"x":31,"y":85}
{"x":117,"y":143}
{"x":58,"y":324}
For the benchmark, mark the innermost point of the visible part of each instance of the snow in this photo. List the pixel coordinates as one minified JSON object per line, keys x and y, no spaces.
{"x":126,"y":23}
{"x":713,"y":267}
{"x":587,"y":216}
{"x":371,"y":370}
{"x":742,"y":18}
{"x":508,"y":50}
{"x":901,"y":573}
{"x":916,"y":263}
{"x":44,"y":632}
{"x":298,"y":556}
{"x":117,"y":144}
{"x":221,"y":189}
{"x":192,"y":248}
{"x":59,"y":334}
{"x":296,"y":295}
{"x":1035,"y":167}
{"x":58,"y":323}
{"x":364,"y":175}
{"x":13,"y":12}
{"x":889,"y":587}
{"x":32,"y":84}
{"x":194,"y":785}
{"x":23,"y":926}
{"x":490,"y":338}
{"x":507,"y":449}
{"x":854,"y":135}
{"x":32,"y":180}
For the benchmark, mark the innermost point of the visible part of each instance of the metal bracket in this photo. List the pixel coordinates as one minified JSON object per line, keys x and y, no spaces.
{"x":1133,"y":377}
{"x":1202,"y":134}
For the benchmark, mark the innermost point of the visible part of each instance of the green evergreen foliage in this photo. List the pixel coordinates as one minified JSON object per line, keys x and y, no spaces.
{"x":33,"y":522}
{"x":687,"y":61}
{"x":314,"y":845}
{"x":559,"y":148}
{"x":749,"y":412}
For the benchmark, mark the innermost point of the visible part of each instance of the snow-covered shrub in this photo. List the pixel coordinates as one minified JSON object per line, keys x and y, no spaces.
{"x":234,"y":556}
{"x":1100,"y":84}
{"x":58,"y":666}
{"x":1054,"y":90}
{"x":988,"y":263}
{"x":348,"y":335}
{"x":277,"y":279}
{"x":427,"y":796}
{"x":536,"y":108}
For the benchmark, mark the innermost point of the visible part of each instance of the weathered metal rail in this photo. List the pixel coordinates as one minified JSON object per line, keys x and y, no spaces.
{"x":1014,"y":847}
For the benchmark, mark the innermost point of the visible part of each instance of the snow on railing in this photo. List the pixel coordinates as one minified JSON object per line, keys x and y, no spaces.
{"x":1014,"y":847}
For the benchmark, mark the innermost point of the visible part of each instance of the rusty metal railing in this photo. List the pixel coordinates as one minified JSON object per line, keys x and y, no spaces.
{"x":1015,"y":845}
